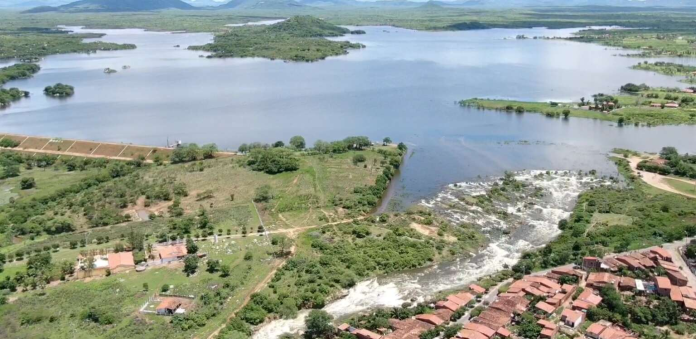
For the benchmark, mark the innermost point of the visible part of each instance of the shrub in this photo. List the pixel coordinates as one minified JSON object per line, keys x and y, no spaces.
{"x":358,"y":158}
{"x":273,"y":161}
{"x":27,"y":183}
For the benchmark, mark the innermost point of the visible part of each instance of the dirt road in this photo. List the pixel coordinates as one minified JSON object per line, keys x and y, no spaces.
{"x":657,"y":180}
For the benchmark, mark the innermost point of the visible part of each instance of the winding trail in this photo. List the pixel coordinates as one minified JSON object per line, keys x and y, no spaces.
{"x":658,"y":180}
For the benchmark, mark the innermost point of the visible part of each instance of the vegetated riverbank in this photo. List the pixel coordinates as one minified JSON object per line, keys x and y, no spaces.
{"x":300,"y":38}
{"x":670,"y":68}
{"x":636,"y":105}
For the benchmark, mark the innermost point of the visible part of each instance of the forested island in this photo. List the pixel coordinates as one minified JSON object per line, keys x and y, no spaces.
{"x":15,"y":72}
{"x":634,"y":104}
{"x":300,"y":38}
{"x":59,"y":91}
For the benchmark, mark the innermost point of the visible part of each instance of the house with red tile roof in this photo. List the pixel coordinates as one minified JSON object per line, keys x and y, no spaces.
{"x":627,"y":284}
{"x":122,"y":261}
{"x":430,"y":319}
{"x":469,"y":334}
{"x":544,"y":307}
{"x":676,"y":295}
{"x":169,"y":253}
{"x":366,"y":334}
{"x":690,"y":304}
{"x":601,"y":279}
{"x":664,"y":286}
{"x":571,"y":318}
{"x":668,"y":265}
{"x":589,"y":297}
{"x":632,"y":263}
{"x":580,"y":305}
{"x":477,"y":289}
{"x":687,"y":292}
{"x":677,"y":278}
{"x":449,"y":305}
{"x":591,"y":263}
{"x":486,"y":331}
{"x":595,"y":330}
{"x":549,"y":329}
{"x":503,"y":332}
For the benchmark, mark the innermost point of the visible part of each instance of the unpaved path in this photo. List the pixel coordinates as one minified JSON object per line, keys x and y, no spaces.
{"x":257,"y":288}
{"x":658,"y":180}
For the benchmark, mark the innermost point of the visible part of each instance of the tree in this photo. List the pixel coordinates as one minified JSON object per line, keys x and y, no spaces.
{"x":190,"y":265}
{"x":27,"y":183}
{"x":273,"y":161}
{"x":666,"y":312}
{"x":243,"y":148}
{"x":278,"y":144}
{"x":263,"y":194}
{"x":621,"y":122}
{"x":322,"y":146}
{"x":528,"y":327}
{"x":297,"y":142}
{"x":225,"y":271}
{"x":386,"y":141}
{"x":358,"y":158}
{"x":566,"y":113}
{"x":402,"y":147}
{"x":283,"y":244}
{"x":146,"y":287}
{"x":318,"y":325}
{"x":213,"y":266}
{"x":191,"y":247}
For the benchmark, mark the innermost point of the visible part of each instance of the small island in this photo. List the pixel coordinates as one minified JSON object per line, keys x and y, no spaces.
{"x":300,"y":38}
{"x":357,"y":32}
{"x":59,"y":91}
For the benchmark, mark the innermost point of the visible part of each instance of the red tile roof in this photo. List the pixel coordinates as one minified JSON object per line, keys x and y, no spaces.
{"x":545,"y":307}
{"x":571,"y":316}
{"x":503,"y":332}
{"x":690,"y":304}
{"x":172,"y":251}
{"x":469,"y":334}
{"x":447,"y":305}
{"x":480,"y":328}
{"x":595,"y":329}
{"x":120,"y":259}
{"x":430,"y":319}
{"x":477,"y":289}
{"x":687,"y":292}
{"x":663,"y":283}
{"x":675,"y":295}
{"x":365,"y":334}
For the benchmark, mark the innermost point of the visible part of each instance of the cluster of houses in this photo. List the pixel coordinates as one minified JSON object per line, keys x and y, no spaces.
{"x":667,"y":105}
{"x":116,"y":262}
{"x":559,"y":300}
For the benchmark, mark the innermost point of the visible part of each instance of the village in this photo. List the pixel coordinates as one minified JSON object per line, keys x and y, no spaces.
{"x":554,"y":303}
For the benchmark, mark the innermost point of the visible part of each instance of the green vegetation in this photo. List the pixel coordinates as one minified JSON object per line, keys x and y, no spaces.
{"x":633,"y":105}
{"x":191,"y":152}
{"x":15,"y":72}
{"x":643,"y":217}
{"x":336,"y":257}
{"x":59,"y":91}
{"x":669,"y":68}
{"x":635,"y":313}
{"x":672,"y":163}
{"x":300,"y":38}
{"x":18,"y":71}
{"x":31,"y":43}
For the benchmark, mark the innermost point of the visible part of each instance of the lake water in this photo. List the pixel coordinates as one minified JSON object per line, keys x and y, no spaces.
{"x":403,"y":85}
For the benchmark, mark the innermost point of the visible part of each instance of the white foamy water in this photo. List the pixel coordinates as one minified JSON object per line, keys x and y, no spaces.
{"x":531,"y":222}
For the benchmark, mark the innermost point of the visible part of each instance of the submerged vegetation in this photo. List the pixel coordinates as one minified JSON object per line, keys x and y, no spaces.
{"x":300,"y":38}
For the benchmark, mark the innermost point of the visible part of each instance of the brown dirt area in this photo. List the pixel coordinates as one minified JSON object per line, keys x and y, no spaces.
{"x":57,"y":145}
{"x":430,"y":231}
{"x":35,"y":143}
{"x":109,"y":150}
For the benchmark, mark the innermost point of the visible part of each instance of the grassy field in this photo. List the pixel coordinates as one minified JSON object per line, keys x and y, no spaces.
{"x":57,"y":309}
{"x":681,"y":186}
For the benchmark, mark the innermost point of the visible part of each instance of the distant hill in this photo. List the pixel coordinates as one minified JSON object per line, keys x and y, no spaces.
{"x":260,"y":4}
{"x":114,"y":6}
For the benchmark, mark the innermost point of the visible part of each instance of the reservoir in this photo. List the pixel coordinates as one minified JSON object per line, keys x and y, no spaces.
{"x":404,"y":85}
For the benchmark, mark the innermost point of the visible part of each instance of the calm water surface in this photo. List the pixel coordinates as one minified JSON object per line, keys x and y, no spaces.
{"x":403,"y":85}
